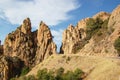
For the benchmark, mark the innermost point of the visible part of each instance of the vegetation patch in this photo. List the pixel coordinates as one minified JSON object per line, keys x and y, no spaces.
{"x":117,"y":44}
{"x":25,"y":70}
{"x":59,"y":74}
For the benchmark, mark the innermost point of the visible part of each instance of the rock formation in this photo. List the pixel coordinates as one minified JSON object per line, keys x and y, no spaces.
{"x":100,"y":43}
{"x":20,"y":43}
{"x":45,"y":45}
{"x":10,"y":67}
{"x":104,"y":46}
{"x":72,"y":38}
{"x":30,"y":46}
{"x":102,"y":15}
{"x":1,"y":50}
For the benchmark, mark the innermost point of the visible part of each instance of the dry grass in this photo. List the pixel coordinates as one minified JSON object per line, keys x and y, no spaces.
{"x":96,"y":68}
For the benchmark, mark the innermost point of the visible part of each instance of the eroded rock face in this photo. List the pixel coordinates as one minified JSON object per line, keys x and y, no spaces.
{"x":72,"y":38}
{"x":102,"y":15}
{"x":10,"y":67}
{"x":82,"y":24}
{"x":45,"y":46}
{"x":20,"y":43}
{"x":100,"y":44}
{"x":1,"y":50}
{"x":114,"y":24}
{"x":31,"y":47}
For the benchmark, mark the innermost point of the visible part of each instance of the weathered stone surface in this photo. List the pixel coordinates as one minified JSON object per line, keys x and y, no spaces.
{"x":82,"y":24}
{"x":45,"y":46}
{"x":102,"y":15}
{"x":100,"y":44}
{"x":10,"y":67}
{"x":72,"y":37}
{"x":20,"y":43}
{"x":31,"y":47}
{"x":1,"y":50}
{"x":26,"y":26}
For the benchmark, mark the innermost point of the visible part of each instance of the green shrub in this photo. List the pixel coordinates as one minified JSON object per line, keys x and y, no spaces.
{"x":45,"y":75}
{"x":99,"y":33}
{"x":13,"y":79}
{"x":117,"y":44}
{"x":78,"y":73}
{"x":25,"y":70}
{"x":69,"y":75}
{"x":105,"y":24}
{"x":93,"y":25}
{"x":60,"y":71}
{"x":22,"y":78}
{"x":41,"y":73}
{"x":30,"y":77}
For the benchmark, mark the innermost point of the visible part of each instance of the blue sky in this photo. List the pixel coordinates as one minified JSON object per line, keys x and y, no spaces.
{"x":58,"y":14}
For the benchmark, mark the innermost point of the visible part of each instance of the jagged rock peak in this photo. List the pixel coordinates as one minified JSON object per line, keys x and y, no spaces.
{"x":115,"y":17}
{"x":26,"y":26}
{"x":43,"y":26}
{"x":102,"y":15}
{"x":45,"y":46}
{"x":82,"y":23}
{"x":70,"y":27}
{"x":114,"y":24}
{"x":44,"y":32}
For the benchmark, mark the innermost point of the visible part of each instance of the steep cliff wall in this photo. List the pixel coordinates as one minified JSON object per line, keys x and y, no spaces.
{"x":93,"y":36}
{"x":31,"y":47}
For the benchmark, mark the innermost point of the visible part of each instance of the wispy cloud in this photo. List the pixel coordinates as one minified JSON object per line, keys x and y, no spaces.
{"x":51,"y":12}
{"x":57,"y":37}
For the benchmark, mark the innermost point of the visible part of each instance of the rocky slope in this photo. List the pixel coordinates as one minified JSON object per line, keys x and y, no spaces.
{"x":95,"y":68}
{"x":96,"y":40}
{"x":83,"y":51}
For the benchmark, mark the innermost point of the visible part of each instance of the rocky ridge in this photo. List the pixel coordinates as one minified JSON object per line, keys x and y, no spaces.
{"x":76,"y":39}
{"x":30,"y":47}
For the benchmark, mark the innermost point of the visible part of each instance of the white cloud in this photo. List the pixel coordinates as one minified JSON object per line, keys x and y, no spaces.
{"x":57,"y":37}
{"x":51,"y":12}
{"x":57,"y":34}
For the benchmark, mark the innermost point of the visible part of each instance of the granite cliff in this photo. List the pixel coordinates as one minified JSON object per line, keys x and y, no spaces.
{"x":93,"y":36}
{"x":30,"y":47}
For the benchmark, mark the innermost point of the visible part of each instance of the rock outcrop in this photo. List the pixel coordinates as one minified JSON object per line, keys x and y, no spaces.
{"x":10,"y":67}
{"x":103,"y":45}
{"x":102,"y":15}
{"x":72,"y":38}
{"x":20,"y":43}
{"x":102,"y":40}
{"x":45,"y":45}
{"x":1,"y":50}
{"x":31,"y":47}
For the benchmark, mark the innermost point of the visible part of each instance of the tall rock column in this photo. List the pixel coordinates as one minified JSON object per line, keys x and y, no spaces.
{"x":45,"y":46}
{"x":20,"y":43}
{"x":72,"y":38}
